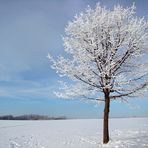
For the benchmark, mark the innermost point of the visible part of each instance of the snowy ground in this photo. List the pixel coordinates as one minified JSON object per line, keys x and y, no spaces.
{"x":86,"y":133}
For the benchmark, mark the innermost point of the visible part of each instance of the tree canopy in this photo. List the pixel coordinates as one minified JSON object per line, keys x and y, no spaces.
{"x":106,"y":49}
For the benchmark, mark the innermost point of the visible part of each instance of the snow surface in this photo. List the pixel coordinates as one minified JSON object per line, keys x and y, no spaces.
{"x":80,"y":133}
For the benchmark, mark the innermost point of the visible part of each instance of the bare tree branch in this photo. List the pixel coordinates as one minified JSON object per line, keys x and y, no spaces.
{"x":130,"y":93}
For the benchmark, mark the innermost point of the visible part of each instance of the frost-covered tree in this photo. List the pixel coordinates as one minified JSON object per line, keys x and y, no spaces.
{"x":107,"y":53}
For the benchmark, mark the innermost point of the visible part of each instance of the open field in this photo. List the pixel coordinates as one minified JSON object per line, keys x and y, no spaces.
{"x":82,"y":133}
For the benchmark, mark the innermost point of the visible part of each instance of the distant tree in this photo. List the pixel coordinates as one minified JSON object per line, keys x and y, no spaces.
{"x":106,"y":52}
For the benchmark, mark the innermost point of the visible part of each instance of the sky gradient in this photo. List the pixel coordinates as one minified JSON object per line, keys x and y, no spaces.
{"x":29,"y":30}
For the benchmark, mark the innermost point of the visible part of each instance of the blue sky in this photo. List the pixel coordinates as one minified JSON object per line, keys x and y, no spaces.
{"x":29,"y":30}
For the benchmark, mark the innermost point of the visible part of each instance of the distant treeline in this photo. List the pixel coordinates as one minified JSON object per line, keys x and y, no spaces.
{"x":31,"y":117}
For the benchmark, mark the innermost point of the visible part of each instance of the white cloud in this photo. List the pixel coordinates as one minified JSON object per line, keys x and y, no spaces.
{"x":27,"y":90}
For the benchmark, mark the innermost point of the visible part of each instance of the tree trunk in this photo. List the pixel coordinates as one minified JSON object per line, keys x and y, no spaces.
{"x":106,"y":116}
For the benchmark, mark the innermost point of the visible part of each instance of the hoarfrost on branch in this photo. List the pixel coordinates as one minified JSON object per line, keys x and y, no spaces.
{"x":107,"y":50}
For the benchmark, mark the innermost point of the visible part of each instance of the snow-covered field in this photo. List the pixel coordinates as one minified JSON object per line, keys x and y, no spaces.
{"x":86,"y":133}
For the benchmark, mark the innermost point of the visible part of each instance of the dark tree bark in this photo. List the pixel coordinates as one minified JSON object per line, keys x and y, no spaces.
{"x":106,"y":116}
